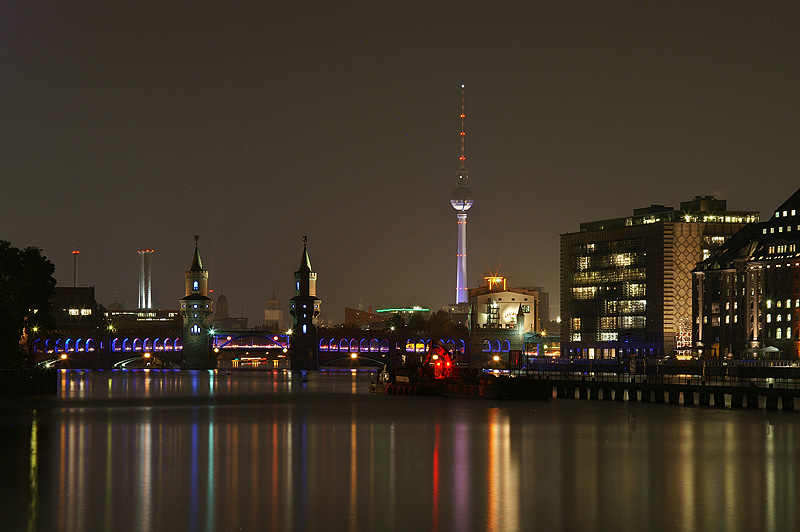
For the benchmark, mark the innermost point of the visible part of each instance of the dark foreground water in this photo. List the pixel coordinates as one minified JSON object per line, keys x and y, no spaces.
{"x":204,"y":451}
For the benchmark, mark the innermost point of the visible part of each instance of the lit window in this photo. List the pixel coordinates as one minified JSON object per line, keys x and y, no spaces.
{"x":195,"y":329}
{"x":195,"y":285}
{"x":86,"y":312}
{"x":74,"y":312}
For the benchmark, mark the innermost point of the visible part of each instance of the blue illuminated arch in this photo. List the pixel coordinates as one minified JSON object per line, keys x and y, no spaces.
{"x":323,"y":344}
{"x":374,"y":346}
{"x":487,"y":346}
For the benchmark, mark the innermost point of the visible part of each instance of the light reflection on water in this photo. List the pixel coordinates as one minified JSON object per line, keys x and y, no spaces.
{"x":205,"y":451}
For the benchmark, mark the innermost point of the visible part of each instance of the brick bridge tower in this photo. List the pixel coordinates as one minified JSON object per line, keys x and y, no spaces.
{"x":304,"y":308}
{"x":196,"y":311}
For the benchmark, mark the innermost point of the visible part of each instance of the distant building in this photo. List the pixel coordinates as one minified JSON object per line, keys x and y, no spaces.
{"x":626,"y":286}
{"x":495,"y":306}
{"x":499,"y":319}
{"x":273,"y":315}
{"x":404,"y":312}
{"x":363,"y":318}
{"x":747,"y":292}
{"x":74,"y":305}
{"x":223,"y":320}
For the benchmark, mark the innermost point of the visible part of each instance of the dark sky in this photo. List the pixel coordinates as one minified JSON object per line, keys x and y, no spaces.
{"x":128,"y":125}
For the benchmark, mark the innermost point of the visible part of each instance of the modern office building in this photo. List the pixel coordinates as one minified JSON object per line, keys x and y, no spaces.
{"x":626,"y":283}
{"x":747,"y":293}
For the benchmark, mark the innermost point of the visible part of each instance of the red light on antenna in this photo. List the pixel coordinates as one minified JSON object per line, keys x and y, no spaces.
{"x":462,"y":133}
{"x":462,"y":157}
{"x":76,"y":252}
{"x":463,"y":115}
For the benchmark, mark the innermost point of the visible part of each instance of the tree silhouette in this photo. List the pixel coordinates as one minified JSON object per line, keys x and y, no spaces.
{"x":26,"y":290}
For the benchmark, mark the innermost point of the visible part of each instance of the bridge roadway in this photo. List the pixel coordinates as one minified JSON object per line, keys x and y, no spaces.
{"x":741,"y":384}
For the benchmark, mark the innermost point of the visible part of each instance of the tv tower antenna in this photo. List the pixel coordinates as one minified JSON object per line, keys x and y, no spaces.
{"x":463,"y":176}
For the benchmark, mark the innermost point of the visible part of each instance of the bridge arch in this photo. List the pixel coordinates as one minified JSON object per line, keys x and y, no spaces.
{"x":323,"y":344}
{"x":486,"y":347}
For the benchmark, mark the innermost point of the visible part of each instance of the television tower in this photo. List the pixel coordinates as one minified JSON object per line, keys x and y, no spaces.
{"x":461,"y":199}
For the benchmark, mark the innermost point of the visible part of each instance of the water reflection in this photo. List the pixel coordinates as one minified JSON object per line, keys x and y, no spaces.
{"x":324,"y":454}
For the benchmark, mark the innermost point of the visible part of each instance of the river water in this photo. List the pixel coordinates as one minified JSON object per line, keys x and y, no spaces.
{"x":253,"y":451}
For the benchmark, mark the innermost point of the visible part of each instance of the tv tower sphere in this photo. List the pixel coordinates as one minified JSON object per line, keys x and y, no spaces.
{"x":461,"y":199}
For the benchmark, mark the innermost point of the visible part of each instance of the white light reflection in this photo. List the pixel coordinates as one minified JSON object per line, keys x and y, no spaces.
{"x":34,"y":474}
{"x":502,"y":509}
{"x":210,"y":476}
{"x":144,"y":495}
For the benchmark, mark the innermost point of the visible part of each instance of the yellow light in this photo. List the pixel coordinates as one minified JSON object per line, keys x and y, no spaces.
{"x":35,"y":329}
{"x":353,"y":355}
{"x":496,"y":358}
{"x":64,"y":356}
{"x":147,"y":355}
{"x":436,"y":357}
{"x":289,"y":331}
{"x":216,"y":349}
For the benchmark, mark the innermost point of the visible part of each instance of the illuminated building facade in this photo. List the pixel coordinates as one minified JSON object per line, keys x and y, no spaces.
{"x":495,"y":306}
{"x":626,"y":283}
{"x":746,"y":295}
{"x":304,"y":308}
{"x":461,"y":200}
{"x":499,"y":319}
{"x":273,"y":314}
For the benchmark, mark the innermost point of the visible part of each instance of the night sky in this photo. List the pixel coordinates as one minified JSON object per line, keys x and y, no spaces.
{"x":129,"y":125}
